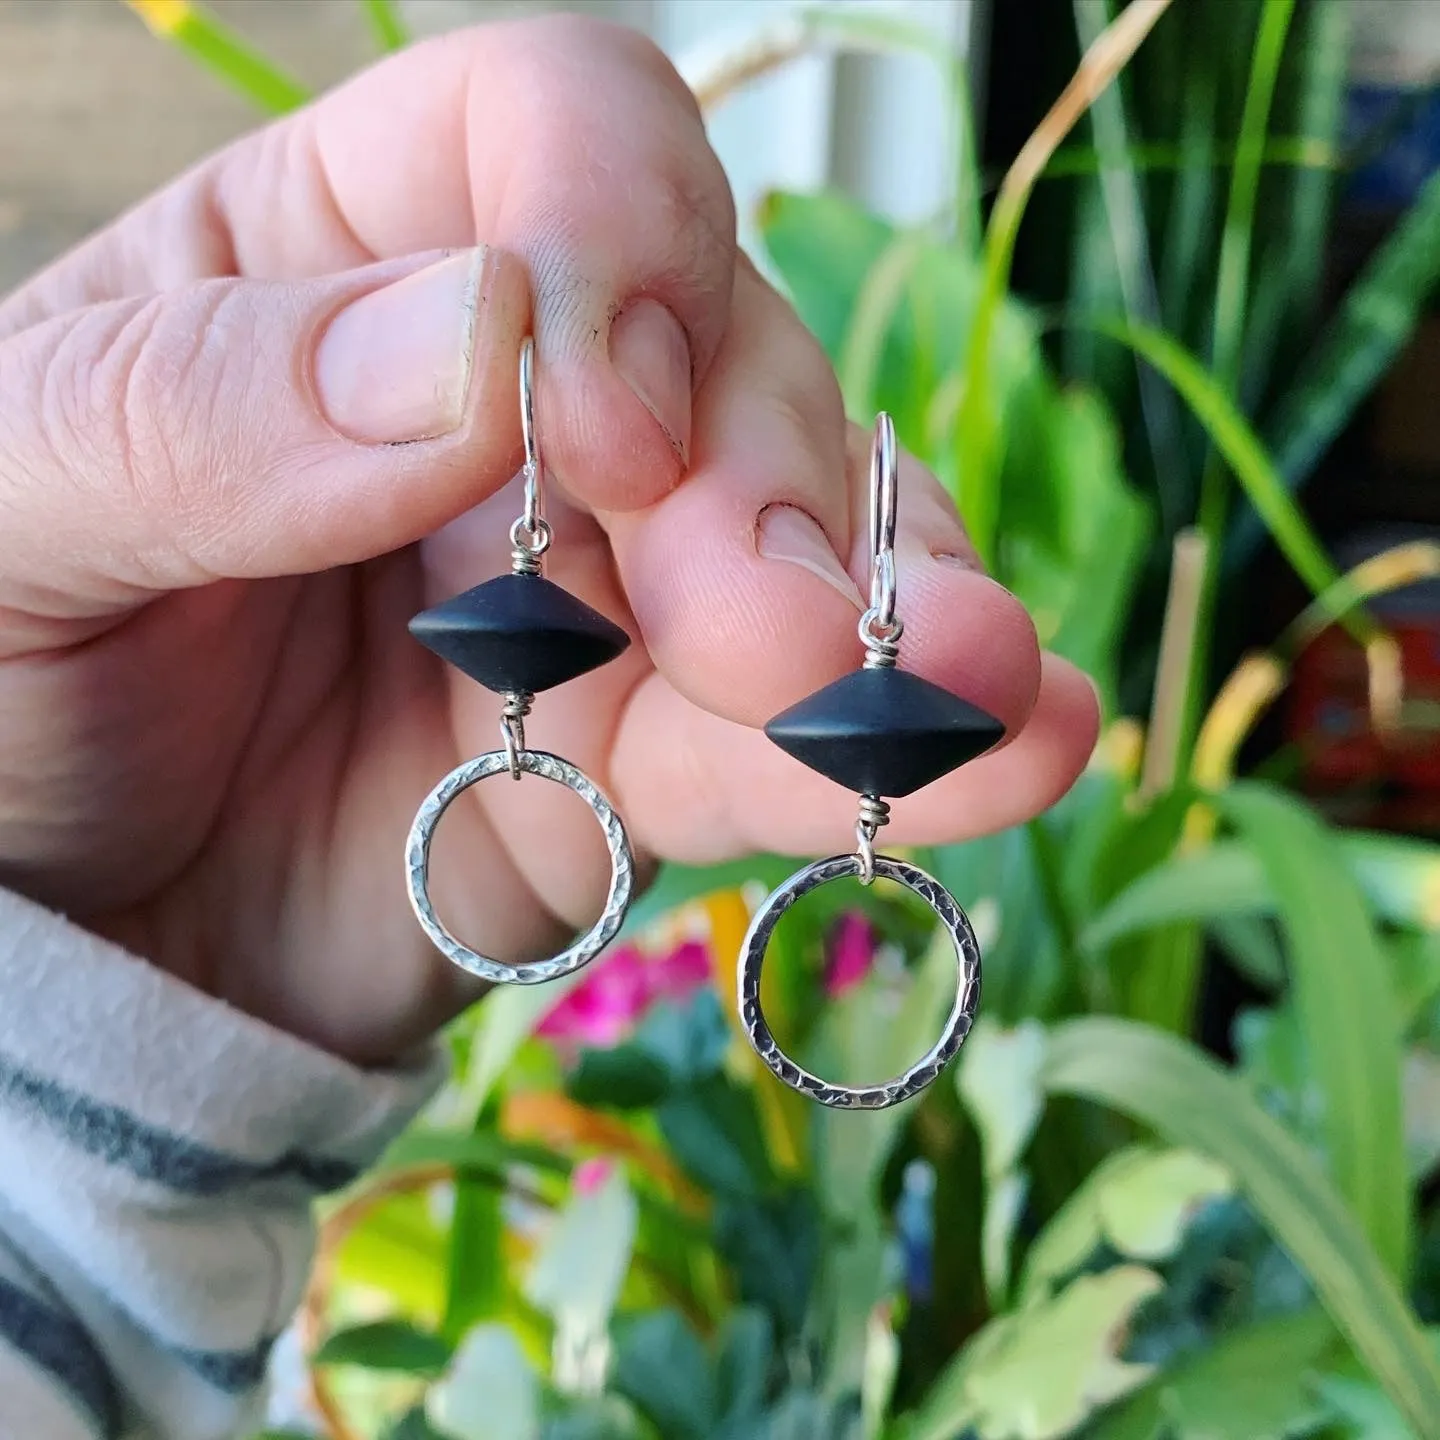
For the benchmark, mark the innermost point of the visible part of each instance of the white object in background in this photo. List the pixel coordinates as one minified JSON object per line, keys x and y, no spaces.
{"x":1395,"y":42}
{"x":879,"y":127}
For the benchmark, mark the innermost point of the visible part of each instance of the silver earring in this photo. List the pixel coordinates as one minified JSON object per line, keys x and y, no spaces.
{"x":886,"y":733}
{"x":518,"y":634}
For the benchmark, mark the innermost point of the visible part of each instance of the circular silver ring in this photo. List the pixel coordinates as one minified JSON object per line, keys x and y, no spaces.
{"x":417,"y":868}
{"x":967,"y":991}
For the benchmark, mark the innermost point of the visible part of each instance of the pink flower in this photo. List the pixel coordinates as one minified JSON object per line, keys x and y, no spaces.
{"x":618,"y":990}
{"x":849,"y":954}
{"x":590,"y":1175}
{"x":680,"y":973}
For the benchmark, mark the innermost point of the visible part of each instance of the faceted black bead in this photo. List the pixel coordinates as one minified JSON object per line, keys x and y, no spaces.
{"x":884,"y":732}
{"x":519,"y":632}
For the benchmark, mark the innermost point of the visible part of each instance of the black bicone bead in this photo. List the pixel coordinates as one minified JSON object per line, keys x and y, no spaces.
{"x":884,"y":732}
{"x":519,"y":632}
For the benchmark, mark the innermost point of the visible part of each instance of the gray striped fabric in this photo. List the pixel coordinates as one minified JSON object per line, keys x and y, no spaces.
{"x":159,"y":1153}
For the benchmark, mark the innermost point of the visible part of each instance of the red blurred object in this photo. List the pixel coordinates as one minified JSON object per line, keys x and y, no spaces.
{"x":1381,"y":780}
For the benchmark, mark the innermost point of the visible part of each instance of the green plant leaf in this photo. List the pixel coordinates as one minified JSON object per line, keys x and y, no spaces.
{"x":401,"y":1248}
{"x":1220,"y":882}
{"x":387,"y":1345}
{"x":1075,"y":565}
{"x":662,"y":1369}
{"x":999,"y":1082}
{"x":1190,"y":1100}
{"x":482,"y":1152}
{"x":823,"y":246}
{"x":1127,"y":242}
{"x":1037,"y":1373}
{"x":475,"y":1285}
{"x":856,"y":1047}
{"x":1227,"y":880}
{"x":1303,"y":152}
{"x":773,"y":1247}
{"x":1344,"y":1002}
{"x":1358,"y":1404}
{"x":714,"y":1131}
{"x":489,"y":1393}
{"x":1139,"y":1201}
{"x":502,"y":1023}
{"x":1232,"y":281}
{"x":742,"y":1364}
{"x":801,"y":1415}
{"x":385,"y":24}
{"x":1238,"y":316}
{"x":1273,"y":1059}
{"x":1354,"y":351}
{"x":214,"y":45}
{"x":1250,"y":945}
{"x":1399,"y":874}
{"x":1242,"y":451}
{"x":604,"y":1419}
{"x":1256,"y":1383}
{"x":413,"y":1426}
{"x":627,"y":1077}
{"x":581,"y":1264}
{"x":690,"y":1040}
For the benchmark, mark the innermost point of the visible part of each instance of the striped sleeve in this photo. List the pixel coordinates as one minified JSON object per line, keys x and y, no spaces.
{"x":159,"y":1153}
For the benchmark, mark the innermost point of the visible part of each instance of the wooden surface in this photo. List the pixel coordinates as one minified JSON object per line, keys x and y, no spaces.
{"x":96,"y":112}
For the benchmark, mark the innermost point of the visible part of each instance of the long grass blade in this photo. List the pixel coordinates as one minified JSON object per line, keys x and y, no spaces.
{"x":1322,"y":48}
{"x":388,"y":28}
{"x":1340,"y":984}
{"x":1355,"y":349}
{"x":1190,"y":1100}
{"x":1400,"y":878}
{"x":1241,"y":450}
{"x":1232,"y":289}
{"x":1145,"y":157}
{"x":1130,"y":240}
{"x":978,"y":440}
{"x":203,"y":37}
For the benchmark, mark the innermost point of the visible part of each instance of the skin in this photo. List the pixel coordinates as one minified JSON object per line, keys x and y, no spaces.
{"x":214,"y":728}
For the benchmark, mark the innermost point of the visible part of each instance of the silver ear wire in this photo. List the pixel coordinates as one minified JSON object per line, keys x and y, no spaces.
{"x":880,"y":627}
{"x":530,"y":535}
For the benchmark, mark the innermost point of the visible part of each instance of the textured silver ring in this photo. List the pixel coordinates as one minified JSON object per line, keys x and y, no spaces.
{"x":622,"y":868}
{"x":957,"y":1026}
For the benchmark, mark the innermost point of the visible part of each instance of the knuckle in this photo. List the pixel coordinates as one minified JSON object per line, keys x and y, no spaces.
{"x":133,"y":403}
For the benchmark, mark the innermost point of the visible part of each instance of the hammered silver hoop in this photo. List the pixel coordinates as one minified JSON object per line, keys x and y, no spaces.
{"x":957,"y":1026}
{"x":417,"y":867}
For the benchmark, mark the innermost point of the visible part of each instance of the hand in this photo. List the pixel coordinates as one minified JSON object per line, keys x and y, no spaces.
{"x":264,"y":418}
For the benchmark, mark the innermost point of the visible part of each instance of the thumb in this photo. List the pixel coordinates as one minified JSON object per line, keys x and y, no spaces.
{"x":244,"y":428}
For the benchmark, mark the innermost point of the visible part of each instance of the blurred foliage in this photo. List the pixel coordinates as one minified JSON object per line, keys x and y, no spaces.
{"x":1091,"y":1227}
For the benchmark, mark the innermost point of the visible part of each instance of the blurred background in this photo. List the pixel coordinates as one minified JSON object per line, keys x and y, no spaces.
{"x":1150,"y":286}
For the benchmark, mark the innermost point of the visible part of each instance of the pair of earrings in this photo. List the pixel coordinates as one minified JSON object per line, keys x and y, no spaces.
{"x":880,"y":731}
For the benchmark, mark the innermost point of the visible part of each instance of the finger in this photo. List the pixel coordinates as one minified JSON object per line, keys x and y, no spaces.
{"x":743,"y":618}
{"x":567,"y":140}
{"x":716,"y":790}
{"x":245,"y":429}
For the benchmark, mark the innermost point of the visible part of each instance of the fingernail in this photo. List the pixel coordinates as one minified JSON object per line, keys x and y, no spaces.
{"x":785,"y":533}
{"x":649,"y":350}
{"x":395,"y":365}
